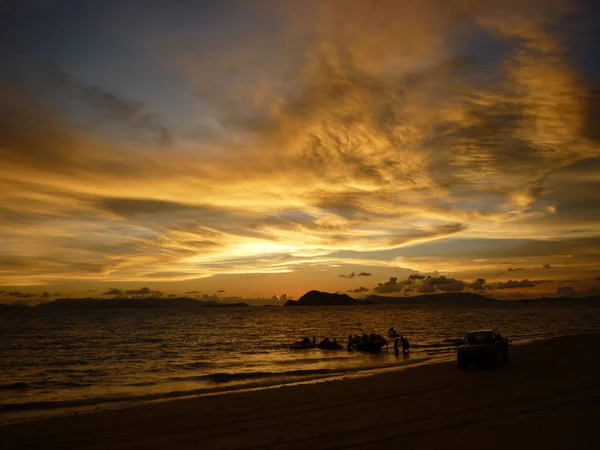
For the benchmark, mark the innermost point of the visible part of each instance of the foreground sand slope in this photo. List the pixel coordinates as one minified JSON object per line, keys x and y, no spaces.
{"x":549,"y":397}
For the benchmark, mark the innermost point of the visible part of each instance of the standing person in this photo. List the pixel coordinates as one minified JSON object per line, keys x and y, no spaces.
{"x":314,"y":341}
{"x":396,"y":345}
{"x":405,"y":345}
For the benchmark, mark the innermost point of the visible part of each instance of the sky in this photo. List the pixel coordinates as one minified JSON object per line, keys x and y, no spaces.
{"x":261,"y":149}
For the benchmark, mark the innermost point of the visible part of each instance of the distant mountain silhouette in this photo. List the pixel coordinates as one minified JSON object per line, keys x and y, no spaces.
{"x":446,"y":297}
{"x":316,"y":298}
{"x":12,"y":306}
{"x":554,"y":300}
{"x":133,"y":303}
{"x":311,"y":298}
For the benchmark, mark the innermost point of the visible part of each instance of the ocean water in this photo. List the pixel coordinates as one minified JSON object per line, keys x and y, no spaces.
{"x":54,"y":362}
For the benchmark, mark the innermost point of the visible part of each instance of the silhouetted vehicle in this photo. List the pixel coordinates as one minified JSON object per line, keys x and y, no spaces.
{"x":482,"y":347}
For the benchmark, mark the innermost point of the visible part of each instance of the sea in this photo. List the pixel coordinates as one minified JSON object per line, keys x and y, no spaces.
{"x":55,"y":362}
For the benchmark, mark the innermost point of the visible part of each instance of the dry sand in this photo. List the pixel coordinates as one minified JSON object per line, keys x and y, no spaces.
{"x":548,"y":397}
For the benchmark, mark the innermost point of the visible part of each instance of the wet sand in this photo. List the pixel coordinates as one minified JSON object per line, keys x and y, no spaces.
{"x":548,"y":397}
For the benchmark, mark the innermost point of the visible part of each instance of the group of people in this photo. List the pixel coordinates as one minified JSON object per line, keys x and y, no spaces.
{"x":400,"y":341}
{"x":326,"y":343}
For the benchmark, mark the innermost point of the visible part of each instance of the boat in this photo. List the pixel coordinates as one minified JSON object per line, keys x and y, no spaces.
{"x":372,"y":343}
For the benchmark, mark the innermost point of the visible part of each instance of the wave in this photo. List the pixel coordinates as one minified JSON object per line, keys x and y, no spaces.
{"x":433,"y":345}
{"x":227,"y":377}
{"x":18,"y":386}
{"x":259,"y":378}
{"x":22,"y":386}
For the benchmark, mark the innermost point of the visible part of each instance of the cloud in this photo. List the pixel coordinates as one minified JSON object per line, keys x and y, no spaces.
{"x":546,"y":266}
{"x":354,"y":274}
{"x":566,"y":291}
{"x":193,"y":292}
{"x":19,"y":295}
{"x":442,"y":283}
{"x":416,"y":277}
{"x":363,"y":127}
{"x":477,"y":285}
{"x":359,"y":290}
{"x":141,"y":291}
{"x":220,"y":290}
{"x":108,"y":105}
{"x":516,"y":269}
{"x":390,"y":286}
{"x":512,"y":284}
{"x":113,"y":291}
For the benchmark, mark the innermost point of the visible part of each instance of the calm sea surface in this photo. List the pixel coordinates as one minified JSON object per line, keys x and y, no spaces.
{"x":57,"y":361}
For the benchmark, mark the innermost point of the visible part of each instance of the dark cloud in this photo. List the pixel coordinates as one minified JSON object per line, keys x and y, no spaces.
{"x":512,"y":284}
{"x":391,"y":286}
{"x":416,"y":276}
{"x":442,"y":283}
{"x":18,"y":294}
{"x":193,"y":292}
{"x":546,"y":266}
{"x":142,"y":291}
{"x":359,"y":290}
{"x":113,"y":291}
{"x":129,"y":207}
{"x":109,"y":105}
{"x":477,"y":285}
{"x":354,"y":274}
{"x":566,"y":291}
{"x":221,"y":290}
{"x":516,"y":269}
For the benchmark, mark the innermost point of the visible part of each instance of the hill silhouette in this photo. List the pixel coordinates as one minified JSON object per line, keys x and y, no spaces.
{"x":446,"y":298}
{"x":133,"y":303}
{"x":316,"y":298}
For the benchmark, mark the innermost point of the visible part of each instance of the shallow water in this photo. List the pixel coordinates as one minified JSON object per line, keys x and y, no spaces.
{"x":50,"y":360}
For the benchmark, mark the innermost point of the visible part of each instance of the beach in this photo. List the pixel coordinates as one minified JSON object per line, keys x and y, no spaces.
{"x":548,"y":397}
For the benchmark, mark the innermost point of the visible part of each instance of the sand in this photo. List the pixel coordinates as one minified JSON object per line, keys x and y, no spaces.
{"x":548,"y":397}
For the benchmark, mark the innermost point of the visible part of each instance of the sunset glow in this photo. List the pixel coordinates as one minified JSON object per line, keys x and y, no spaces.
{"x":271,"y":147}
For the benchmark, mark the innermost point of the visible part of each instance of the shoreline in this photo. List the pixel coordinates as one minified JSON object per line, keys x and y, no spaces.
{"x":44,"y":410}
{"x":554,"y":378}
{"x":35,"y":411}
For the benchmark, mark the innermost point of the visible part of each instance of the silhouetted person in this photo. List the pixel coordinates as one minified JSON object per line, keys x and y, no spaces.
{"x":314,"y":341}
{"x":335,"y":344}
{"x":405,"y":344}
{"x":396,"y":345}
